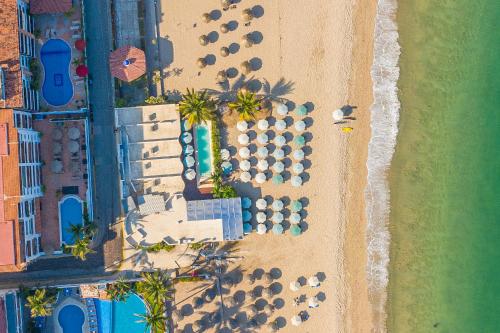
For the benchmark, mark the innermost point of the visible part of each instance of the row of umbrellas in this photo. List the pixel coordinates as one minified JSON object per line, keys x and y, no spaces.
{"x":263,"y":165}
{"x":279,"y":140}
{"x":187,"y":151}
{"x":263,"y":125}
{"x":278,"y":153}
{"x":73,"y":133}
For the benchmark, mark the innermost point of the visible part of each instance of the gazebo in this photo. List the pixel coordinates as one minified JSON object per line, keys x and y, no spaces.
{"x":127,"y":63}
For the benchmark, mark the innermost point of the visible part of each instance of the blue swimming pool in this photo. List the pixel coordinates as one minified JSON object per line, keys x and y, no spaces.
{"x":70,"y":212}
{"x":11,"y":309}
{"x":203,"y":149}
{"x":71,"y":319}
{"x":118,"y":317}
{"x":55,"y":56}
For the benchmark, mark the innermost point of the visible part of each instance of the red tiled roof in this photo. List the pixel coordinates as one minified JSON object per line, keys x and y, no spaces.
{"x":50,"y":6}
{"x":7,"y":248}
{"x":3,"y":318}
{"x":134,"y":70}
{"x":9,"y":55}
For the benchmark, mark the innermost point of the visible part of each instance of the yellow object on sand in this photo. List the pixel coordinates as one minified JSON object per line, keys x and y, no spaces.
{"x":347,"y":129}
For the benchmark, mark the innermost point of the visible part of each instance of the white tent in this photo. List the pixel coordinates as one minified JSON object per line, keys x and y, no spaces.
{"x":295,"y":218}
{"x":188,"y":149}
{"x":244,"y":152}
{"x":296,"y":181}
{"x":279,"y":140}
{"x":313,"y":281}
{"x":190,"y":174}
{"x":187,"y":137}
{"x":294,"y":286}
{"x":263,"y":124}
{"x":296,"y":320}
{"x":278,"y":154}
{"x":278,"y":167}
{"x":300,"y":126}
{"x":298,"y":168}
{"x":245,"y":177}
{"x":278,"y":205}
{"x":189,"y":161}
{"x":262,"y":138}
{"x":280,"y":125}
{"x":261,"y":217}
{"x":243,"y":139}
{"x":261,"y":203}
{"x":261,"y":229}
{"x":312,"y":302}
{"x":245,"y":165}
{"x":225,"y":155}
{"x":282,"y":109}
{"x":242,"y":126}
{"x":338,"y":115}
{"x":260,"y":178}
{"x":298,"y":154}
{"x":262,"y":165}
{"x":277,"y":217}
{"x":262,"y":152}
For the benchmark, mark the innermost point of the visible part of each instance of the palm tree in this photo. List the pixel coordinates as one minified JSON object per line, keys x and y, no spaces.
{"x":155,"y":286}
{"x":40,"y":303}
{"x":197,"y":107}
{"x":247,"y":105}
{"x":155,"y":321}
{"x":76,"y":230}
{"x":90,"y":229}
{"x":120,"y":290}
{"x":81,"y":248}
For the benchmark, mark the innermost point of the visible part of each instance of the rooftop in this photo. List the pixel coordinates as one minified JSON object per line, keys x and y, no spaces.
{"x":50,"y":6}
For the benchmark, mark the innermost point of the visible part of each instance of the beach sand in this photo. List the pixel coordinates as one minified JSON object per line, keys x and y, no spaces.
{"x":311,"y":45}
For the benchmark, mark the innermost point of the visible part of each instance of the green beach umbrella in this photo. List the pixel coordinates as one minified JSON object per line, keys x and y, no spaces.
{"x":295,"y":230}
{"x":299,"y":141}
{"x":278,"y":229}
{"x":296,"y":206}
{"x":247,"y":228}
{"x":247,"y":216}
{"x":277,"y":179}
{"x":301,"y":110}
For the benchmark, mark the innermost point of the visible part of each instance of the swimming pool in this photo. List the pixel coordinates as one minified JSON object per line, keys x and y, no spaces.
{"x":118,"y":317}
{"x":71,"y":319}
{"x":55,"y":56}
{"x":203,"y":149}
{"x":70,"y":212}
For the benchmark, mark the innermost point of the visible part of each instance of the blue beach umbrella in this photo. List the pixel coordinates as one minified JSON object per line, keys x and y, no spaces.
{"x":247,"y":228}
{"x":299,"y":141}
{"x":301,"y":110}
{"x":247,"y":216}
{"x":296,"y":206}
{"x":246,"y":202}
{"x":277,"y":179}
{"x":278,"y":228}
{"x":295,"y":230}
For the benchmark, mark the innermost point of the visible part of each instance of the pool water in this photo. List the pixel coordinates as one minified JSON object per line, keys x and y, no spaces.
{"x":55,"y":56}
{"x":70,"y":212}
{"x":203,"y":150}
{"x":71,"y":319}
{"x":118,"y":317}
{"x":10,"y":305}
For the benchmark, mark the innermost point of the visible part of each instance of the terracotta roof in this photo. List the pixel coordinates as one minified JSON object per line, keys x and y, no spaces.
{"x":9,"y":55}
{"x":135,"y":68}
{"x":50,"y":6}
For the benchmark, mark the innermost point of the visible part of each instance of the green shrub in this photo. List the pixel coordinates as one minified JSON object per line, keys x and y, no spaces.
{"x":189,"y":279}
{"x":155,"y":248}
{"x":155,"y":100}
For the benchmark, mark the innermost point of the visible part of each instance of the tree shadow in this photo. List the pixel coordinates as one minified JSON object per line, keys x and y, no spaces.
{"x":256,"y":37}
{"x":256,"y":63}
{"x":234,"y":48}
{"x":210,"y":59}
{"x":213,"y":36}
{"x":215,"y":14}
{"x":278,"y":90}
{"x":258,"y":11}
{"x":232,"y":25}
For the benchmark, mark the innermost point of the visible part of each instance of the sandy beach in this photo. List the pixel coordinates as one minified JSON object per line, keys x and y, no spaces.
{"x":323,"y":50}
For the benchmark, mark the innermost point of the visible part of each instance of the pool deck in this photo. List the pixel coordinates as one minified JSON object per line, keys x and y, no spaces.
{"x":69,"y":300}
{"x":68,"y":29}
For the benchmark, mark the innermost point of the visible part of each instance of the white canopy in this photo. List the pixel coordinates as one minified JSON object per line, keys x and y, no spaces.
{"x":263,"y":124}
{"x":312,"y":302}
{"x":298,"y":154}
{"x":313,"y":281}
{"x":298,"y":168}
{"x":260,"y":178}
{"x":245,"y":165}
{"x":189,"y":161}
{"x":277,"y":205}
{"x":187,"y":137}
{"x":243,"y":139}
{"x":244,"y":152}
{"x":190,"y":174}
{"x":225,"y":155}
{"x":282,"y":109}
{"x":262,"y":165}
{"x":280,"y":125}
{"x":262,"y":138}
{"x":338,"y":114}
{"x":294,"y":286}
{"x":261,"y":217}
{"x":300,"y":126}
{"x":262,"y":152}
{"x":279,"y":140}
{"x":295,"y":218}
{"x":245,"y":177}
{"x":261,"y":228}
{"x":296,"y":320}
{"x":242,"y":125}
{"x":278,"y":154}
{"x":277,"y":217}
{"x":296,"y":181}
{"x":188,"y":150}
{"x":278,"y":167}
{"x":261,"y":203}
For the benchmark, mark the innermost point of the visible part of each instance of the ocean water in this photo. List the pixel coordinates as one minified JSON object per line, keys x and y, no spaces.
{"x":444,"y":223}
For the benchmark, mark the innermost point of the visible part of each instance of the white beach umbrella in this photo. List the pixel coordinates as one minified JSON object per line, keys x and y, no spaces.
{"x":296,"y":181}
{"x":225,"y":155}
{"x":242,"y":125}
{"x":295,"y":218}
{"x":189,"y":161}
{"x":280,"y":125}
{"x":261,"y":229}
{"x":312,"y":302}
{"x":338,"y":114}
{"x":262,"y":165}
{"x":277,"y":217}
{"x":300,"y":126}
{"x":260,"y":178}
{"x":282,"y":109}
{"x":278,"y":154}
{"x":294,"y":286}
{"x":313,"y":281}
{"x":243,"y":139}
{"x":245,"y":177}
{"x":262,"y":152}
{"x":227,"y":166}
{"x":263,"y":124}
{"x":188,"y":149}
{"x":298,"y":154}
{"x":296,"y":320}
{"x":245,"y":165}
{"x":279,"y":140}
{"x":244,"y":152}
{"x":262,"y":138}
{"x":277,"y":205}
{"x":298,"y":168}
{"x":190,"y":174}
{"x":261,"y":203}
{"x":278,"y":167}
{"x":261,"y":217}
{"x":187,"y":137}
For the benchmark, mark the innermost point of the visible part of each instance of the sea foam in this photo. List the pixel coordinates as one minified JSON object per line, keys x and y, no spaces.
{"x":384,"y":127}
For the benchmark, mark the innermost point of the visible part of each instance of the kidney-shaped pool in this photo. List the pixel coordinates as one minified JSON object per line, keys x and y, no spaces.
{"x":57,"y":87}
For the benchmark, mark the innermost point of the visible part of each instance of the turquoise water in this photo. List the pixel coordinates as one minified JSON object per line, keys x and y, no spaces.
{"x":445,"y":216}
{"x":70,"y":212}
{"x":55,"y":56}
{"x":71,"y":319}
{"x":203,"y":152}
{"x":10,"y":307}
{"x":118,"y":317}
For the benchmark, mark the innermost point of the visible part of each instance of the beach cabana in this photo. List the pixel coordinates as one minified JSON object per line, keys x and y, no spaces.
{"x":188,"y":150}
{"x":224,"y":28}
{"x":262,"y":152}
{"x":247,"y":216}
{"x":127,"y":63}
{"x":296,"y":206}
{"x":246,"y":40}
{"x":261,"y":203}
{"x":295,"y":285}
{"x":247,"y":15}
{"x":262,"y":138}
{"x":296,"y":181}
{"x":190,"y":174}
{"x":225,"y":155}
{"x":299,"y":141}
{"x":244,"y":152}
{"x":189,"y":161}
{"x":247,"y":228}
{"x":246,"y":202}
{"x":227,"y":167}
{"x":298,"y":168}
{"x":245,"y":165}
{"x":201,"y":63}
{"x":278,"y":167}
{"x":243,"y":139}
{"x":260,"y":178}
{"x":263,"y":124}
{"x":224,"y":51}
{"x":277,"y":217}
{"x":296,"y":320}
{"x":186,"y":137}
{"x":295,"y":230}
{"x":301,"y":110}
{"x":338,"y":115}
{"x":277,"y":229}
{"x":278,"y":179}
{"x":312,"y":302}
{"x":278,"y":154}
{"x":282,"y":109}
{"x":206,"y":17}
{"x":245,"y":177}
{"x":298,"y":155}
{"x":242,"y":125}
{"x":203,"y":39}
{"x":313,"y":281}
{"x":261,"y":217}
{"x":280,"y":125}
{"x":262,"y":165}
{"x":277,"y":205}
{"x":261,"y":229}
{"x":279,"y":141}
{"x":300,"y":126}
{"x":295,"y":218}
